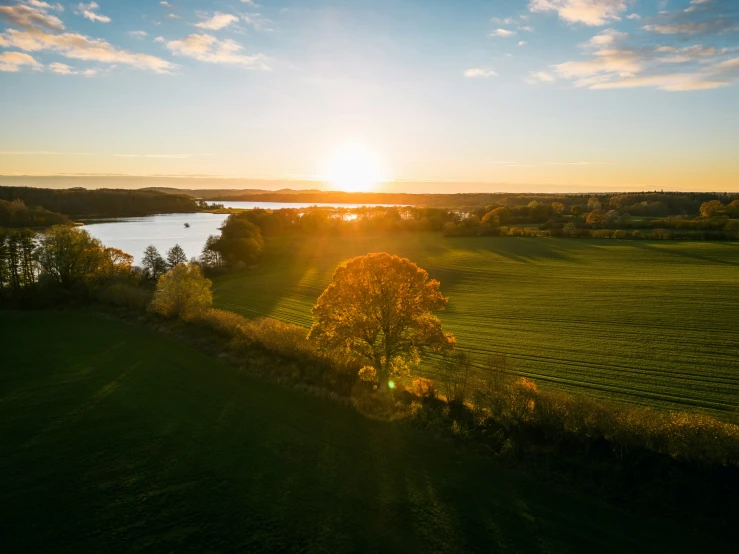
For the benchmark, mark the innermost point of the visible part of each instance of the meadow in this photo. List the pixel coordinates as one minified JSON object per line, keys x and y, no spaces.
{"x":648,"y":322}
{"x":114,"y":438}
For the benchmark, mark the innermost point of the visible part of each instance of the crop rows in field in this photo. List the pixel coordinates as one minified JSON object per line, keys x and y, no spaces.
{"x":646,"y":322}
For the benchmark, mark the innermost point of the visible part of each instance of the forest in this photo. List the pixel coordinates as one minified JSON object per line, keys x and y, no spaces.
{"x":83,"y":203}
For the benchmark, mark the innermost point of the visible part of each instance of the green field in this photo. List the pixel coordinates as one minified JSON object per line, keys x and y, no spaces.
{"x":115,"y":439}
{"x":651,"y":322}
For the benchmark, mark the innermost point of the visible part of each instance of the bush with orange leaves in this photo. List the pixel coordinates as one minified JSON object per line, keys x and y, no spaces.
{"x":424,"y":388}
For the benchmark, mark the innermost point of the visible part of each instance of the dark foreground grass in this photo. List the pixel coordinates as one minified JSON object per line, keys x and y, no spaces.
{"x":648,"y":322}
{"x":116,"y":439}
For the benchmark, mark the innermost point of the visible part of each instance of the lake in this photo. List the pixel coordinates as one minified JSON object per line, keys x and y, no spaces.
{"x":134,"y":234}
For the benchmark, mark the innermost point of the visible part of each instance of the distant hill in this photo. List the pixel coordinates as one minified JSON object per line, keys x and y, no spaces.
{"x":101,"y":202}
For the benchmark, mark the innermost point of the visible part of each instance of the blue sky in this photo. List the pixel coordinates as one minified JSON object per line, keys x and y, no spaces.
{"x":585,"y":94}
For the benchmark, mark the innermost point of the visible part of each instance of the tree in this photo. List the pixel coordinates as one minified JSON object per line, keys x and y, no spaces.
{"x":153,"y":263}
{"x":378,"y":309}
{"x":712,"y":208}
{"x":594,"y":204}
{"x":558,"y":207}
{"x":182,"y":292}
{"x":115,"y":263}
{"x":538,"y":212}
{"x":596,"y":217}
{"x":210,"y":257}
{"x":176,"y":256}
{"x":577,"y":210}
{"x":4,"y":267}
{"x":69,"y":256}
{"x":733,"y":209}
{"x":498,"y":216}
{"x":241,"y":241}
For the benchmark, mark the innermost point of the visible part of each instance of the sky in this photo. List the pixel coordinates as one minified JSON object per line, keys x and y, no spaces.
{"x":424,"y":95}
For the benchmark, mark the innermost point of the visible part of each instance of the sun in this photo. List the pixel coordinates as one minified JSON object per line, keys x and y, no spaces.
{"x":355,"y":168}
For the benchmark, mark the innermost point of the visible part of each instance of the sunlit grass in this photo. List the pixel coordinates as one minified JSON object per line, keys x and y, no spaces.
{"x":648,"y":322}
{"x":117,"y":439}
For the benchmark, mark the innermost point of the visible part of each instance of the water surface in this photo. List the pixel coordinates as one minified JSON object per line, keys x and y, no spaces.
{"x":134,"y":234}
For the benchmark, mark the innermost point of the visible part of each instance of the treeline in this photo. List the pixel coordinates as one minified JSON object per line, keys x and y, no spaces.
{"x":592,"y":220}
{"x":62,"y":263}
{"x":342,"y":221}
{"x":586,"y":220}
{"x":469,"y":228}
{"x":17,"y":214}
{"x":638,"y":203}
{"x":101,"y":202}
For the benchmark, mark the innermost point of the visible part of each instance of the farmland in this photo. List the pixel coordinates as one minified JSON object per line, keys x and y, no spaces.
{"x":648,"y":322}
{"x":117,"y":439}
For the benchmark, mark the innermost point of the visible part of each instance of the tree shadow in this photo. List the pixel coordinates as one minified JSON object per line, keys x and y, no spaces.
{"x":673,"y":249}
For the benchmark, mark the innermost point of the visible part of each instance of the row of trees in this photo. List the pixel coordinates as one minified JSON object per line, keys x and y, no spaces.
{"x":69,"y":258}
{"x":102,"y":202}
{"x":64,"y":257}
{"x":16,"y":214}
{"x":343,"y":221}
{"x":715,"y":208}
{"x":154,"y":265}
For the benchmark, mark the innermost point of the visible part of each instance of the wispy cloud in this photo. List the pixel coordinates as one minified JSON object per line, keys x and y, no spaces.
{"x":709,"y":18}
{"x":42,"y":153}
{"x":11,"y":62}
{"x":81,"y":47}
{"x":88,"y":12}
{"x":138,"y":34}
{"x":538,"y":77}
{"x":256,"y":21}
{"x":578,"y":163}
{"x":34,"y":16}
{"x":207,"y":48}
{"x":613,"y":64}
{"x":502,"y":33}
{"x":163,"y":156}
{"x":217,"y":21}
{"x":64,"y":69}
{"x":478,"y":72}
{"x":589,"y":12}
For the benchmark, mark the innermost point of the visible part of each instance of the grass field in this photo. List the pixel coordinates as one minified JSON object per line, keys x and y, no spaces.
{"x":115,"y":439}
{"x":651,"y":322}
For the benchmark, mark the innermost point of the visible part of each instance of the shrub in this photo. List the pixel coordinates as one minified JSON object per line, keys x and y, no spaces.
{"x":424,"y":388}
{"x":182,"y":292}
{"x":125,"y":295}
{"x":223,"y":322}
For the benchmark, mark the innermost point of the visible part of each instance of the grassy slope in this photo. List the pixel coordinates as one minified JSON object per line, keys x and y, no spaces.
{"x":113,"y":439}
{"x":643,"y":321}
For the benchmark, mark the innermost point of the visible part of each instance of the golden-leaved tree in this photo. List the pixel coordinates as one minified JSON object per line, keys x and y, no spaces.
{"x":182,"y":292}
{"x":379,"y":309}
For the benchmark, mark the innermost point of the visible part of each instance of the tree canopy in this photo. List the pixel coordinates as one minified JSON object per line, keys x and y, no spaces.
{"x":240,"y":242}
{"x":152,"y":263}
{"x":70,"y":257}
{"x":379,"y":309}
{"x":182,"y":292}
{"x":176,"y":256}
